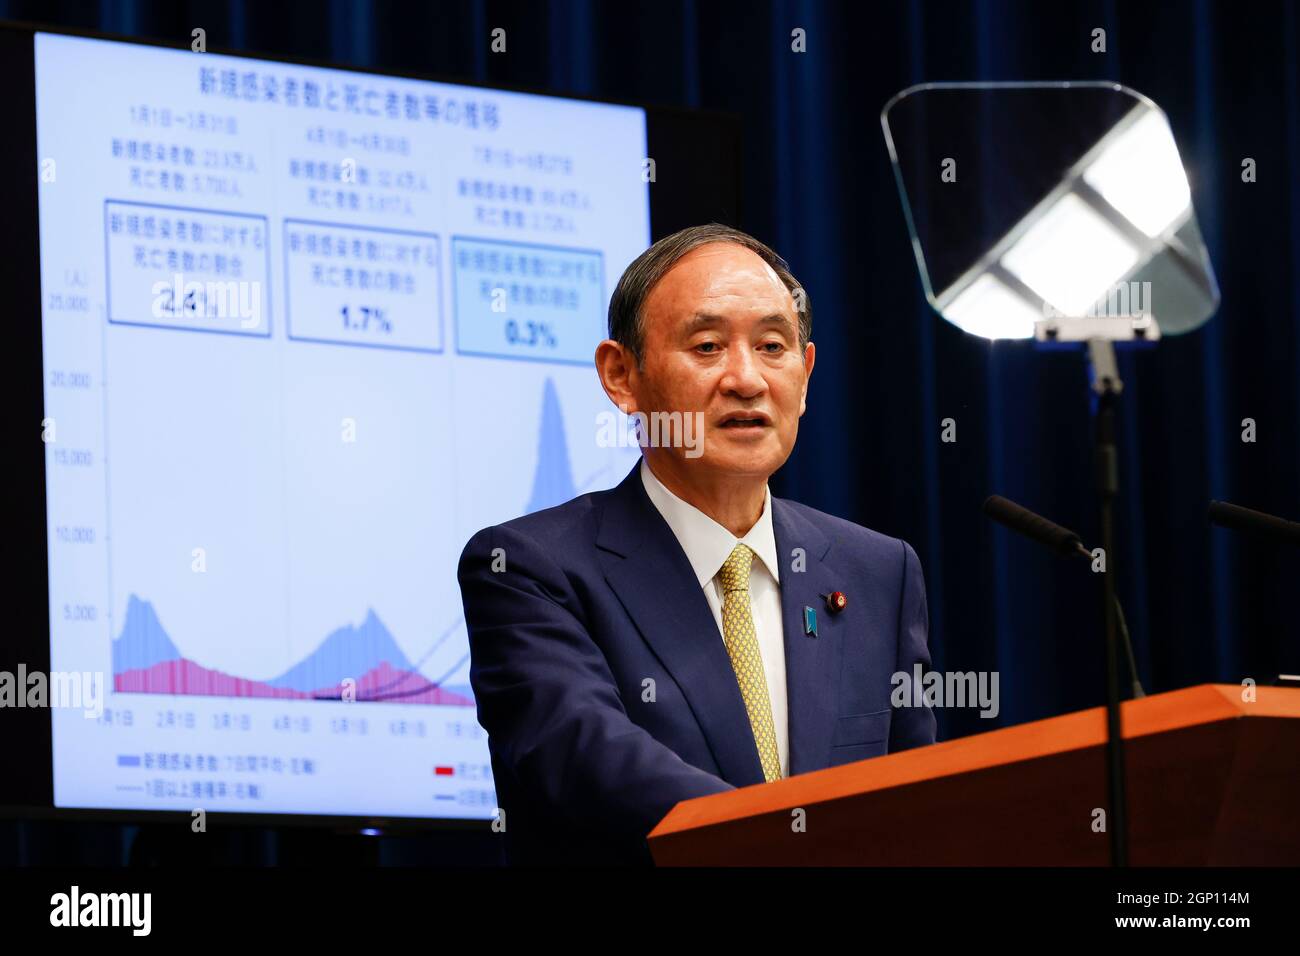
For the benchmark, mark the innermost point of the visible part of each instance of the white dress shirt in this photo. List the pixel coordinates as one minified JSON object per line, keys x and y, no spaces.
{"x":708,"y":545}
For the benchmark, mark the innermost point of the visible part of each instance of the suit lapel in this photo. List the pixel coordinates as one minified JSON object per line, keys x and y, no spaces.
{"x":649,"y":572}
{"x":812,"y":664}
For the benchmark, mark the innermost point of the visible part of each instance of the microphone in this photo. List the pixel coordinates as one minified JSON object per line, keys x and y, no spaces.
{"x":1237,"y":518}
{"x":1064,"y":542}
{"x":1023,"y":521}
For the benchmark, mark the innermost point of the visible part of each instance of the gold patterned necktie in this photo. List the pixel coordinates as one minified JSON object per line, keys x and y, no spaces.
{"x":741,"y":638}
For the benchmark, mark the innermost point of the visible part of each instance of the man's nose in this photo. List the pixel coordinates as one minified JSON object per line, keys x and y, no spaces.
{"x":742,"y":374}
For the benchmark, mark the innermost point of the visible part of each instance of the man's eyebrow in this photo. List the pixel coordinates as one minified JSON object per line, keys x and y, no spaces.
{"x":708,"y":320}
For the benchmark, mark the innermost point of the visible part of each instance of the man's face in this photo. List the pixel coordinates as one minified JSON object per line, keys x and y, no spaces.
{"x":722,"y":338}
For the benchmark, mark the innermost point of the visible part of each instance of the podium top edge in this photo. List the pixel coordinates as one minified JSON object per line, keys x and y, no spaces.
{"x":1157,"y":714}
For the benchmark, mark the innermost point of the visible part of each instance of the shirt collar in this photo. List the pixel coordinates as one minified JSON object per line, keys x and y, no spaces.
{"x":708,"y":544}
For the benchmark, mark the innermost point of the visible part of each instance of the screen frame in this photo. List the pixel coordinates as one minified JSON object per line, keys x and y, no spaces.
{"x":702,"y":191}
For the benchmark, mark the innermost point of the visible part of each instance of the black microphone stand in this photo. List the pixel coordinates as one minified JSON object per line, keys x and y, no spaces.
{"x":1106,"y":387}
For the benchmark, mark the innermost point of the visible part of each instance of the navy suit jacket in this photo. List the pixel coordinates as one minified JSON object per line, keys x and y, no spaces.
{"x":597,"y":600}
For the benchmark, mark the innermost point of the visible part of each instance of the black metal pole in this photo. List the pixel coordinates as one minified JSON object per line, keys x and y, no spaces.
{"x":1107,"y":477}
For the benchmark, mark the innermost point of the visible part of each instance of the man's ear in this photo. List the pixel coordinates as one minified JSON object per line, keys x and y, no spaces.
{"x":809,"y":359}
{"x":616,"y":367}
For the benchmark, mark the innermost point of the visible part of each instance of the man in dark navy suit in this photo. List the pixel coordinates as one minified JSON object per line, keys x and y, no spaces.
{"x":674,"y":637}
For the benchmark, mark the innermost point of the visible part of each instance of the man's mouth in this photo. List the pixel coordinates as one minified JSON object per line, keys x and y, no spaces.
{"x":739,"y":421}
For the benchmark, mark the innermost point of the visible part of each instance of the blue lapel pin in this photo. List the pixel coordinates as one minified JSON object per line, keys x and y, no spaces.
{"x":809,"y":621}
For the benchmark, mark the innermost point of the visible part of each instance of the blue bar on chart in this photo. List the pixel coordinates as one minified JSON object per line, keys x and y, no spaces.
{"x":359,"y":286}
{"x":520,"y":300}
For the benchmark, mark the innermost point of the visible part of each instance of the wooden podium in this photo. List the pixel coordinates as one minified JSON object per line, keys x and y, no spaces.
{"x":1212,"y":780}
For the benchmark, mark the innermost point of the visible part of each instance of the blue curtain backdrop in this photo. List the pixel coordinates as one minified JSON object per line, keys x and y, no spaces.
{"x":1202,"y":605}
